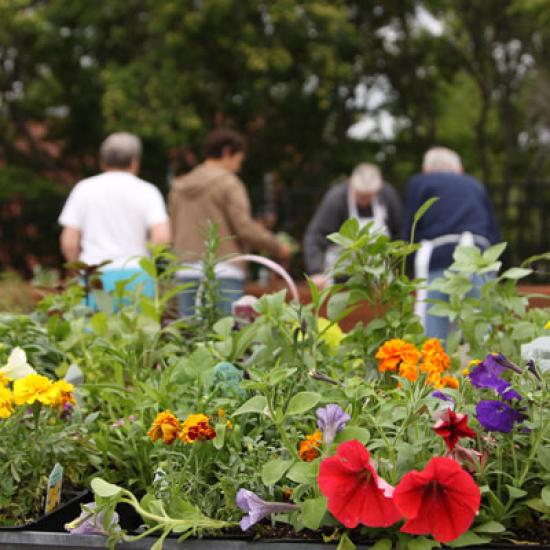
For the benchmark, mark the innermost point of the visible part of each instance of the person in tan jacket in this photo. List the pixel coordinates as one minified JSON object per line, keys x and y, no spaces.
{"x":212,"y":192}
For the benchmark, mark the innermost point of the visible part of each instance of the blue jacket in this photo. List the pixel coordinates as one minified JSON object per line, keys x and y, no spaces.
{"x":463,"y":205}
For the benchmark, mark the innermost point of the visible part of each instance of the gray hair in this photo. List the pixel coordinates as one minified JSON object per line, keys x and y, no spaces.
{"x":441,"y":159}
{"x":119,"y":150}
{"x":366,"y":178}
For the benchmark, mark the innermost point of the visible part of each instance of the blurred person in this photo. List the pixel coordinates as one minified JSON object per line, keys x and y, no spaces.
{"x":112,"y":216}
{"x":213,"y":193}
{"x":463,"y":215}
{"x":363,"y":196}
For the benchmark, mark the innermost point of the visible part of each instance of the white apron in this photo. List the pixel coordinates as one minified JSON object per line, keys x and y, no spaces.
{"x":422,"y":263}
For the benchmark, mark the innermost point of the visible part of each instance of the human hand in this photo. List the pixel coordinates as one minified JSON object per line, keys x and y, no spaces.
{"x":285,"y":251}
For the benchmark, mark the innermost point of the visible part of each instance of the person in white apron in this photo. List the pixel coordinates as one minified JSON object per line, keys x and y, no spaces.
{"x":365,"y":197}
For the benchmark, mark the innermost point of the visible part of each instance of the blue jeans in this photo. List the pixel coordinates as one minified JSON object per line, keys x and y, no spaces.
{"x":229,"y":291}
{"x":439,"y":327}
{"x":109,"y":278}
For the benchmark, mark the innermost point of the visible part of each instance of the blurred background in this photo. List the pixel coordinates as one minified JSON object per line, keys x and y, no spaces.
{"x":316,"y":86}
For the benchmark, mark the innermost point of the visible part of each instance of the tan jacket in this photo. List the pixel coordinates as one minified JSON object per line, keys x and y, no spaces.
{"x":213,"y":194}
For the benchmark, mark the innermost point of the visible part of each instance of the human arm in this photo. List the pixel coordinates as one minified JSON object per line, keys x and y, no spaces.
{"x":158,"y":224}
{"x":246,"y":229}
{"x":159,"y":233}
{"x":70,"y":243}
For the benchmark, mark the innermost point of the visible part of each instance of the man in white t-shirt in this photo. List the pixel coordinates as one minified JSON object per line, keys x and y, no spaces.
{"x":113,"y":215}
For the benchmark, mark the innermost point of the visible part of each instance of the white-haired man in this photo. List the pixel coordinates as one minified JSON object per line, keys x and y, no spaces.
{"x":113,"y":215}
{"x":364,"y":196}
{"x":462,"y":215}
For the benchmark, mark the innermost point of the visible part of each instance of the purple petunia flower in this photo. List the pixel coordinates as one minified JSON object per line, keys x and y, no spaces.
{"x":257,"y":508}
{"x":88,"y":523}
{"x":487,"y":375}
{"x":509,"y":394}
{"x":331,"y":420}
{"x":497,"y":416}
{"x":443,"y":396}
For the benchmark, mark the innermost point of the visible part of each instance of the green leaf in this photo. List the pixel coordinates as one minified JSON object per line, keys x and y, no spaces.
{"x":303,"y":472}
{"x":469,"y":538}
{"x":274,"y":470}
{"x":337,"y":304}
{"x":523,"y":330}
{"x":544,"y":457}
{"x":224,"y":327}
{"x":100,"y":323}
{"x":493,"y":253}
{"x":103,"y":489}
{"x":422,"y":543}
{"x":149,"y":267}
{"x":514,"y":492}
{"x":538,"y":505}
{"x":256,"y":404}
{"x":490,"y":527}
{"x":516,"y":273}
{"x":313,"y":510}
{"x":220,"y":435}
{"x":353,"y":432}
{"x":424,"y":208}
{"x":302,"y":402}
{"x":545,"y":495}
{"x":345,"y":543}
{"x":383,"y":544}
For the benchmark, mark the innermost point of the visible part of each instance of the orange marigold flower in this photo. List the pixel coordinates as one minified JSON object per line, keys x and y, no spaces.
{"x":197,"y":427}
{"x":393,"y":353}
{"x":166,"y":427}
{"x":408,"y":371}
{"x":449,"y":382}
{"x":434,"y":356}
{"x":309,"y":448}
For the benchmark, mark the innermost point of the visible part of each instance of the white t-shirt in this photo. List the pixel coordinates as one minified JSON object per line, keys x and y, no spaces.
{"x":113,"y":211}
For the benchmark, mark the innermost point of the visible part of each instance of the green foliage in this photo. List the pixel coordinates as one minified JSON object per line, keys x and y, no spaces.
{"x":497,"y":318}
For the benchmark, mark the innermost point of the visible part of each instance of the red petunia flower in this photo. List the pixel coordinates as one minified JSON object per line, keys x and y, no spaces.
{"x":451,"y":426}
{"x":355,"y":492}
{"x":441,"y":500}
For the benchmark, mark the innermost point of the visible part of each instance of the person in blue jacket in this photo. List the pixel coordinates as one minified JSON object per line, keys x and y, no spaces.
{"x":463,"y":215}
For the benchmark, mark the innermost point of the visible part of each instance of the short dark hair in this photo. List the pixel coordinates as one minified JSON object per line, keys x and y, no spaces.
{"x":222,"y":138}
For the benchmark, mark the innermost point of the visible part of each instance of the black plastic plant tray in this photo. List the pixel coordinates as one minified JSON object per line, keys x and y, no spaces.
{"x":55,"y":521}
{"x":32,"y":540}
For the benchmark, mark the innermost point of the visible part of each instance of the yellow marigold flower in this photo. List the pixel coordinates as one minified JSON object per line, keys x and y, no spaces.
{"x":393,"y":353}
{"x":229,"y":425}
{"x":309,"y":448}
{"x":473,"y":363}
{"x":434,"y":356}
{"x":33,"y":387}
{"x":197,"y":427}
{"x":221,"y":413}
{"x":60,"y":393}
{"x":465,"y":372}
{"x":547,"y":325}
{"x":449,"y":382}
{"x":332,"y":336}
{"x":6,"y":402}
{"x":166,"y":427}
{"x":4,"y":380}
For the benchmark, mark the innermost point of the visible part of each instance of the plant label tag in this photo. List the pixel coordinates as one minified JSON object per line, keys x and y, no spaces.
{"x":53,"y":495}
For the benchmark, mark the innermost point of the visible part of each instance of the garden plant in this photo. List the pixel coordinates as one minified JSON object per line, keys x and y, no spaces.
{"x":282,"y":423}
